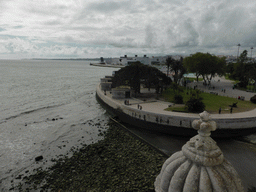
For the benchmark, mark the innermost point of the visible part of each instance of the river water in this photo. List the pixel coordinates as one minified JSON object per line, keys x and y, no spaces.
{"x":46,"y":108}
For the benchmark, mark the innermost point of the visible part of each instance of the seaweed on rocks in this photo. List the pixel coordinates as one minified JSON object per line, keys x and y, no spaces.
{"x":119,"y":162}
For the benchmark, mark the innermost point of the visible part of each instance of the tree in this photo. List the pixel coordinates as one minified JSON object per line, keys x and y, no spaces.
{"x":176,"y":67}
{"x":195,"y":103}
{"x":169,"y":62}
{"x":252,"y":73}
{"x":206,"y":65}
{"x":242,"y":69}
{"x":101,"y":60}
{"x":133,"y":74}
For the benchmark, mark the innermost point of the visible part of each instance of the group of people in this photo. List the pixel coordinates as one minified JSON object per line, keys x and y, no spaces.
{"x":240,"y":98}
{"x":139,"y":107}
{"x":231,"y":110}
{"x":126,"y":102}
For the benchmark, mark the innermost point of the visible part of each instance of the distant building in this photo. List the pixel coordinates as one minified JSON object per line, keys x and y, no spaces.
{"x":160,"y":60}
{"x":231,"y":59}
{"x":129,"y":60}
{"x":106,"y":83}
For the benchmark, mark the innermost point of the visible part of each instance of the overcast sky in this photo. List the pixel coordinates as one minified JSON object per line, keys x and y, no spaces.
{"x":112,"y":28}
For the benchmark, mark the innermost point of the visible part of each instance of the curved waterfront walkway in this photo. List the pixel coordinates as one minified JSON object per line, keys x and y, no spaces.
{"x":154,"y":110}
{"x":220,"y":83}
{"x":241,"y":155}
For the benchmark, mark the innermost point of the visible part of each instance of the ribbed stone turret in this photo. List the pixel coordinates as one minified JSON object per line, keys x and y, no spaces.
{"x":200,"y":166}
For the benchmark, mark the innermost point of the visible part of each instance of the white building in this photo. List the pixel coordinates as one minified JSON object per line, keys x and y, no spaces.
{"x":125,"y":60}
{"x":128,"y":60}
{"x":160,"y":60}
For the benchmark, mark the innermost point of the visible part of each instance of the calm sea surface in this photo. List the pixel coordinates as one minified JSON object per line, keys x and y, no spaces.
{"x":46,"y":108}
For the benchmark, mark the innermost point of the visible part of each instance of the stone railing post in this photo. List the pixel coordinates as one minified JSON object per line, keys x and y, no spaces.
{"x":199,"y":166}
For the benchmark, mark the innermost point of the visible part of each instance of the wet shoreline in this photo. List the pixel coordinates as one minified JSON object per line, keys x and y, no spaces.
{"x":118,"y":162}
{"x":242,"y":156}
{"x":79,"y":134}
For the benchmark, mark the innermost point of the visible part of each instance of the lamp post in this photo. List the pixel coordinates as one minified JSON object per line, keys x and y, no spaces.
{"x":251,"y":52}
{"x":238,"y":50}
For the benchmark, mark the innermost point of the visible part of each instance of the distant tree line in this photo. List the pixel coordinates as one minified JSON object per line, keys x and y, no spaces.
{"x":244,"y":70}
{"x":137,"y":73}
{"x":202,"y":64}
{"x":176,"y":67}
{"x":205,"y":65}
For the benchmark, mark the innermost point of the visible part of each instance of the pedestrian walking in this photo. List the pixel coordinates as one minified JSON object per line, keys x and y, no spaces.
{"x":220,"y":110}
{"x":231,"y":109}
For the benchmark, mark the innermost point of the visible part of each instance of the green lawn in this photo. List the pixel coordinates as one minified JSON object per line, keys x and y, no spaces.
{"x":211,"y":101}
{"x":250,"y":87}
{"x":194,"y":79}
{"x":214,"y":102}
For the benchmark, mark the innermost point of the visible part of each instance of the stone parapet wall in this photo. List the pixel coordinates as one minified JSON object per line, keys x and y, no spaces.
{"x":176,"y":121}
{"x":109,"y":101}
{"x":183,"y":120}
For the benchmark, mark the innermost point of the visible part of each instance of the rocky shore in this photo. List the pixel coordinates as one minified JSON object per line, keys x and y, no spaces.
{"x":119,"y":162}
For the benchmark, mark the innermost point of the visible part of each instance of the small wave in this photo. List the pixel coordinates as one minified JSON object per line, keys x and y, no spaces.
{"x":31,"y":111}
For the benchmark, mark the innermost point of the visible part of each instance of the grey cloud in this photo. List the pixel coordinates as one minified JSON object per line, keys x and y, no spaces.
{"x":156,"y":26}
{"x":18,"y":27}
{"x":123,"y":42}
{"x":122,"y":31}
{"x":151,"y":37}
{"x":53,"y":22}
{"x":183,"y":34}
{"x":225,"y":24}
{"x":68,"y":39}
{"x":107,"y":6}
{"x":128,"y":6}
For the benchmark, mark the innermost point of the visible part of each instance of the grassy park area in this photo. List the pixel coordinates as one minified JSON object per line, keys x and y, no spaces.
{"x":212,"y":102}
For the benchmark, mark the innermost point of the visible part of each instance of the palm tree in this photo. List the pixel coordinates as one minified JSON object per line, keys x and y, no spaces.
{"x":169,"y":62}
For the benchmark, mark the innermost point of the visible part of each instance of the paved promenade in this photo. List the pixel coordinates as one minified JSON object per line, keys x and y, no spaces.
{"x":221,"y":84}
{"x":242,"y":155}
{"x":158,"y":106}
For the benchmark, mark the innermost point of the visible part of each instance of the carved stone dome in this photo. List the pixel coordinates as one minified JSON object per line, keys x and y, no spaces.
{"x":200,"y":166}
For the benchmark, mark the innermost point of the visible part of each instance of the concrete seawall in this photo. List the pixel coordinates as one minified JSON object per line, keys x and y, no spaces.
{"x":153,"y":113}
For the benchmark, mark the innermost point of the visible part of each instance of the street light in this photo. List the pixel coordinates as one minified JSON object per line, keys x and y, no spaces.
{"x":238,"y":49}
{"x":251,"y":52}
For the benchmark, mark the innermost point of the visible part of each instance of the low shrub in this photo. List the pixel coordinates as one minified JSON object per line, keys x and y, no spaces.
{"x":178,"y":99}
{"x":195,"y":105}
{"x":253,"y":99}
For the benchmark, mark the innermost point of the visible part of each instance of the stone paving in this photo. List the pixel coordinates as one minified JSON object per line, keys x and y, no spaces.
{"x":241,"y":155}
{"x":221,"y":84}
{"x":158,"y":106}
